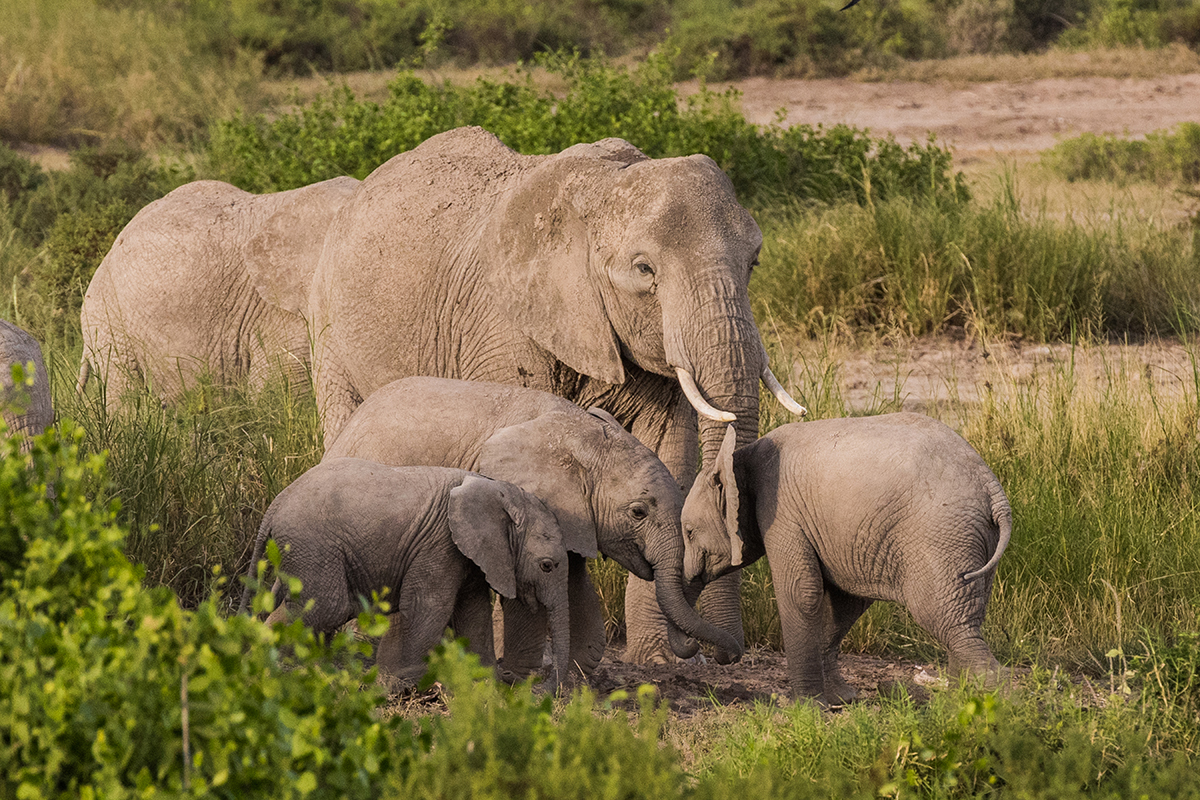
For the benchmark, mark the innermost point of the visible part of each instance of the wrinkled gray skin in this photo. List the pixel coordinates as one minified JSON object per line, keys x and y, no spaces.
{"x":608,"y":491}
{"x":37,"y":414}
{"x":208,"y":279}
{"x":896,"y":507}
{"x":591,"y":274}
{"x":437,"y":538}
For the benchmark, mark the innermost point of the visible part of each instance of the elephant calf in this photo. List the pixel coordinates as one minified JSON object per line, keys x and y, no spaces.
{"x":848,"y":511}
{"x":437,"y":538}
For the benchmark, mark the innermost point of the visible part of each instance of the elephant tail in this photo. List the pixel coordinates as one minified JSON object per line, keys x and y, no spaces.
{"x":1002,"y":516}
{"x":256,"y":555}
{"x":85,"y":372}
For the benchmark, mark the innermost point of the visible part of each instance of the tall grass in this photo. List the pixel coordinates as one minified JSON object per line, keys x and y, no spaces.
{"x":194,"y":479}
{"x":79,"y":71}
{"x":1001,"y":268}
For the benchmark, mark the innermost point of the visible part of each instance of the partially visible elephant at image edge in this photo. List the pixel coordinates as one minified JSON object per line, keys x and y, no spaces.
{"x":36,"y":407}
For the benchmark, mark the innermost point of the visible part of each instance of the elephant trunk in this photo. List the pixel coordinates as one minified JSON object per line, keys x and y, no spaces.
{"x":719,"y":358}
{"x":682,"y":618}
{"x":560,"y":640}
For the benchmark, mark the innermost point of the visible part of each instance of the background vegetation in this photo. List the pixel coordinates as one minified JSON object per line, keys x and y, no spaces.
{"x":864,"y":238}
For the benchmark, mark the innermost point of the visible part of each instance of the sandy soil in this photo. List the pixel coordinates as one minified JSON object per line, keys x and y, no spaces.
{"x":980,"y":117}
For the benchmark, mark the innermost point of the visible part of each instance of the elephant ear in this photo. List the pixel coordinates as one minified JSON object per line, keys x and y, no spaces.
{"x":541,"y":457}
{"x":282,"y":256}
{"x":542,"y":274}
{"x":601,"y":414}
{"x":727,"y":491}
{"x":480,"y":519}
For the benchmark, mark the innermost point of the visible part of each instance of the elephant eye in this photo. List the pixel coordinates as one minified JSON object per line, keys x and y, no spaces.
{"x":548,"y":565}
{"x":690,"y":532}
{"x":638,"y":511}
{"x":644,"y":269}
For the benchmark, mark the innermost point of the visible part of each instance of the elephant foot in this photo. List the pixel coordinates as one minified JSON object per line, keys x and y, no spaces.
{"x":838,"y":692}
{"x":725,"y":657}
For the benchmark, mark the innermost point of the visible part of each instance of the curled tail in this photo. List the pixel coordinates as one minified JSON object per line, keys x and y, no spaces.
{"x":1002,"y":516}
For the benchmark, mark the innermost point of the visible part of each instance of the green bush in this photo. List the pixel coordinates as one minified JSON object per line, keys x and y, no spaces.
{"x":340,"y":135}
{"x":69,"y":219}
{"x":110,"y":689}
{"x":1165,"y":157}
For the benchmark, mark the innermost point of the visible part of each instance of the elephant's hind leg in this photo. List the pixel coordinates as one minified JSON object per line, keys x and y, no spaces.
{"x":954,"y":616}
{"x":843,"y":611}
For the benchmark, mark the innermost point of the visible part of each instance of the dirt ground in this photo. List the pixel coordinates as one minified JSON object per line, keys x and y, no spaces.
{"x":979,"y":119}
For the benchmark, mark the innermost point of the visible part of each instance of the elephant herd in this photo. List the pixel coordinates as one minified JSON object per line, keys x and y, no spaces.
{"x":519,"y":362}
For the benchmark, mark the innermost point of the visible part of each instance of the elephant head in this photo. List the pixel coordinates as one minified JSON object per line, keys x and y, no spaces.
{"x":712,"y":540}
{"x":512,"y":536}
{"x":606,"y":256}
{"x":611,"y":494}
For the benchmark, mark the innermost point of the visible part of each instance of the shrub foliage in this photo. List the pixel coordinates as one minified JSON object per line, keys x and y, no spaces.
{"x":339,"y":134}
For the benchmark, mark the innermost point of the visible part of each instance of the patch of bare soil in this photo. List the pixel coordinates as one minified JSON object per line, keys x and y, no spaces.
{"x":994,"y":117}
{"x":760,"y":677}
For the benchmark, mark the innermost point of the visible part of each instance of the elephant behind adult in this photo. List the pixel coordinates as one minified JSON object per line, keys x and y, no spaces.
{"x":597,"y":274}
{"x":208,"y":279}
{"x":609,"y":492}
{"x":33,"y":410}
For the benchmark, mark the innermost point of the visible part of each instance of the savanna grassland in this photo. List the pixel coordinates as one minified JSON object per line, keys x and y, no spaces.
{"x":1046,"y":276}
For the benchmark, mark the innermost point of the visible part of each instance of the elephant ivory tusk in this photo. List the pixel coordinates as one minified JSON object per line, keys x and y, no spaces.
{"x":781,"y":394}
{"x":697,"y":400}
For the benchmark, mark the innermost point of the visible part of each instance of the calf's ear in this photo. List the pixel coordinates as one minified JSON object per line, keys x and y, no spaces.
{"x":479,"y":525}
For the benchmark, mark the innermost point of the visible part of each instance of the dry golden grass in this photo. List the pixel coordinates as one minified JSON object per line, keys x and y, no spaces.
{"x":1134,"y":62}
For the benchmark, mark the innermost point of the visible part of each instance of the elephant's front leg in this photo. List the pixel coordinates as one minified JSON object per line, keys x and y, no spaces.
{"x":588,"y":638}
{"x":472,"y":619}
{"x":675,"y":439}
{"x":422,"y":614}
{"x":803,"y":615}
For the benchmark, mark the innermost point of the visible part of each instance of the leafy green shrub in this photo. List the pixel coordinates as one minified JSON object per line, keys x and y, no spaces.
{"x":501,"y":742}
{"x":340,"y":135}
{"x":110,"y":689}
{"x":1163,"y":156}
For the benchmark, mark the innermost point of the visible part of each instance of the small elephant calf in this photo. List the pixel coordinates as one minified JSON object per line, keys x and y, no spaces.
{"x":436,"y":537}
{"x":848,"y":511}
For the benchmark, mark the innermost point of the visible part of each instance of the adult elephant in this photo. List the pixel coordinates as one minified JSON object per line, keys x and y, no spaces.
{"x":208,"y":279}
{"x":597,"y":274}
{"x":27,"y":410}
